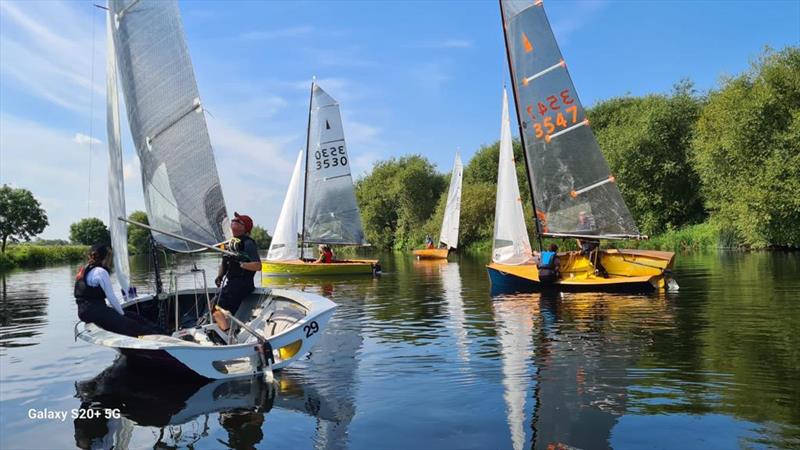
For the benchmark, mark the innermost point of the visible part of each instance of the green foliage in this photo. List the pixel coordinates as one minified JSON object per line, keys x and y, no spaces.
{"x":703,"y":236}
{"x":397,"y":198}
{"x":484,"y":165}
{"x":138,"y":237}
{"x":31,"y":255}
{"x":89,"y":231}
{"x":261,"y":236}
{"x":747,"y":151}
{"x":21,"y":215}
{"x":647,"y":141}
{"x":50,"y":242}
{"x":477,"y":215}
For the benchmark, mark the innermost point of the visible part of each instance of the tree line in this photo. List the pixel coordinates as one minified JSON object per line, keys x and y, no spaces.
{"x":728,"y":159}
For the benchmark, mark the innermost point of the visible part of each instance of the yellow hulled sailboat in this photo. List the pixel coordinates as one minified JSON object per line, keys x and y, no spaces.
{"x":329,"y":211}
{"x":448,"y":237}
{"x":574,"y":193}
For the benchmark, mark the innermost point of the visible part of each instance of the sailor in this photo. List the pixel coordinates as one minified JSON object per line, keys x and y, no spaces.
{"x":93,"y":288}
{"x":549,"y":265}
{"x":240,"y":271}
{"x":428,"y":241}
{"x":590,"y":247}
{"x":325,"y":254}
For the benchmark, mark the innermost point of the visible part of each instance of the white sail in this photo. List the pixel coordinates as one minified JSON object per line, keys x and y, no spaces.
{"x":284,"y":242}
{"x":116,"y":182}
{"x":331,"y":213}
{"x":452,"y":211}
{"x":511,"y":244}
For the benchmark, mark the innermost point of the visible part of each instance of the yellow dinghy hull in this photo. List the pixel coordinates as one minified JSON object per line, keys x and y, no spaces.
{"x":307,"y":268}
{"x":431,"y":253}
{"x":628,"y":271}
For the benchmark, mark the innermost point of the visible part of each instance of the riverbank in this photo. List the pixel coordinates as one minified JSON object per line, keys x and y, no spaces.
{"x":32,"y":255}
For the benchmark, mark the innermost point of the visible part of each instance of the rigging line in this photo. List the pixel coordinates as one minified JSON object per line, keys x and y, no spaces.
{"x":91,"y":121}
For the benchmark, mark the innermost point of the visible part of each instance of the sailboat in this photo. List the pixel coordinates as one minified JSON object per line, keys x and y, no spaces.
{"x":329,"y":211}
{"x":184,"y":203}
{"x":574,"y":194}
{"x":448,"y":237}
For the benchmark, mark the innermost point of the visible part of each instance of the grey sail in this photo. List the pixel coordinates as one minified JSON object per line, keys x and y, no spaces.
{"x":568,"y":172}
{"x":179,"y":175}
{"x":331,"y":213}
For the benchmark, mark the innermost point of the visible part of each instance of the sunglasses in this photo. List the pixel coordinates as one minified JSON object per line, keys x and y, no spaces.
{"x":237,"y":221}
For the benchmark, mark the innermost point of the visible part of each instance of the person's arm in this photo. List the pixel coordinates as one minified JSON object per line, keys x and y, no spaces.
{"x":254,"y":265}
{"x":101,"y":278}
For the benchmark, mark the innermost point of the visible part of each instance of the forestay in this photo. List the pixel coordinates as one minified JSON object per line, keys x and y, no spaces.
{"x":511,"y":244}
{"x":567,"y":169}
{"x":284,"y":242}
{"x":116,"y":183}
{"x":331,"y":214}
{"x":452,"y":211}
{"x":179,"y":175}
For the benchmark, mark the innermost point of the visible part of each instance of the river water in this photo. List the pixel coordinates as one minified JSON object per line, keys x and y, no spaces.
{"x":424,"y":357}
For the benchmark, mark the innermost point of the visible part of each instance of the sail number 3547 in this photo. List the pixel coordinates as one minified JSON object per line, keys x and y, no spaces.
{"x":566,"y":114}
{"x":330,"y":157}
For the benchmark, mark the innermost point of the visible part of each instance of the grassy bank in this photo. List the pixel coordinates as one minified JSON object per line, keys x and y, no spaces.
{"x":31,"y":255}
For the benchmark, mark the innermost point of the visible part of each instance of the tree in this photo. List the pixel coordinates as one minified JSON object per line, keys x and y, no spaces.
{"x":261,"y":236}
{"x":747,"y":151}
{"x":138,"y":237}
{"x":477,"y":214}
{"x":647,"y":143}
{"x":397,"y":198}
{"x":89,"y":231}
{"x":21,"y":215}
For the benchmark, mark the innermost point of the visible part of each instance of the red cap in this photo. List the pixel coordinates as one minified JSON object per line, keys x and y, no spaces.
{"x":246,"y":221}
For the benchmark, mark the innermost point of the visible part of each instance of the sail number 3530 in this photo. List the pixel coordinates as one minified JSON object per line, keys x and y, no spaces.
{"x":330,"y":157}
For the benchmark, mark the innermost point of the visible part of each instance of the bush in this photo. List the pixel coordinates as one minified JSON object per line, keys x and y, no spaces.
{"x":138,"y":237}
{"x":89,"y":231}
{"x":261,"y":236}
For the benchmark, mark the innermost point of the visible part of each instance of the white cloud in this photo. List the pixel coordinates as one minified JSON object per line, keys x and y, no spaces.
{"x":83,"y":139}
{"x":278,"y":34}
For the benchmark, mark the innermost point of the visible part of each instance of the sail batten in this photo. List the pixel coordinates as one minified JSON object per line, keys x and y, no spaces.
{"x":573,"y":188}
{"x":452,"y":210}
{"x":179,"y":174}
{"x":331,"y":213}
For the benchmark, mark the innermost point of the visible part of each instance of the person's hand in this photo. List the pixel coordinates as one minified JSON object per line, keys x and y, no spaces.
{"x":218,"y":281}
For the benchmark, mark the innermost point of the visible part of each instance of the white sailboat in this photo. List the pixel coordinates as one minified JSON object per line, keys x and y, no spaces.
{"x":329,"y":210}
{"x":573,"y":191}
{"x":183,"y":197}
{"x":448,"y":237}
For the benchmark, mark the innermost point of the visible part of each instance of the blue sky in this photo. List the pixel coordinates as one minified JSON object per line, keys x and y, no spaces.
{"x":411,"y":77}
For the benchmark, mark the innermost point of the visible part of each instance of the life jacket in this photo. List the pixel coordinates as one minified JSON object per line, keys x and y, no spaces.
{"x":231,"y":264}
{"x":85,"y":292}
{"x":547,"y":260}
{"x":327,"y":256}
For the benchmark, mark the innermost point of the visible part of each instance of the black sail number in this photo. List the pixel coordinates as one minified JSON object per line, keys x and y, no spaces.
{"x":311,"y":329}
{"x":330,"y":157}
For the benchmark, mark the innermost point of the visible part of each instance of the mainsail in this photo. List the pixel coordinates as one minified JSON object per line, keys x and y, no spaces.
{"x":179,"y":175}
{"x":511,"y":244}
{"x":116,"y":182}
{"x":568,"y":172}
{"x":452,"y":211}
{"x":331,"y":213}
{"x":284,"y":242}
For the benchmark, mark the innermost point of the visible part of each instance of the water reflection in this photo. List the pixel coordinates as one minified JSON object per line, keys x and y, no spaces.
{"x":23,"y":311}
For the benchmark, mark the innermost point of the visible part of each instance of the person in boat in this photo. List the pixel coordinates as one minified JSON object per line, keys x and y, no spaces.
{"x":590,"y":247}
{"x":428,"y":241}
{"x":548,"y":265}
{"x":93,"y":288}
{"x":325,"y":254}
{"x":239,"y":271}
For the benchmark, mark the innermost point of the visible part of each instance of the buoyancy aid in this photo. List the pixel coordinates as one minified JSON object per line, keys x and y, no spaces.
{"x":236,"y":245}
{"x":327,"y":256}
{"x":547,"y":260}
{"x":85,"y":292}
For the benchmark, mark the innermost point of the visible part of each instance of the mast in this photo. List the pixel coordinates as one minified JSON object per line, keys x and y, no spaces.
{"x":305,"y":175}
{"x":519,"y":125}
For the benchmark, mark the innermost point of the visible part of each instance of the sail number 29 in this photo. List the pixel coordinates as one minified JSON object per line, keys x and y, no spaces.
{"x":330,"y":157}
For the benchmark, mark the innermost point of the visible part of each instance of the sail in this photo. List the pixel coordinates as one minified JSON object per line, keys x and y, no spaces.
{"x":116,"y":182}
{"x":568,"y":172}
{"x":452,"y":211}
{"x":331,"y":213}
{"x":511,"y":244}
{"x":284,"y":242}
{"x":179,"y":174}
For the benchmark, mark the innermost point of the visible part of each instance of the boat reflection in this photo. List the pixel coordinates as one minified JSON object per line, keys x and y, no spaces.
{"x":121,"y":399}
{"x":572,"y":351}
